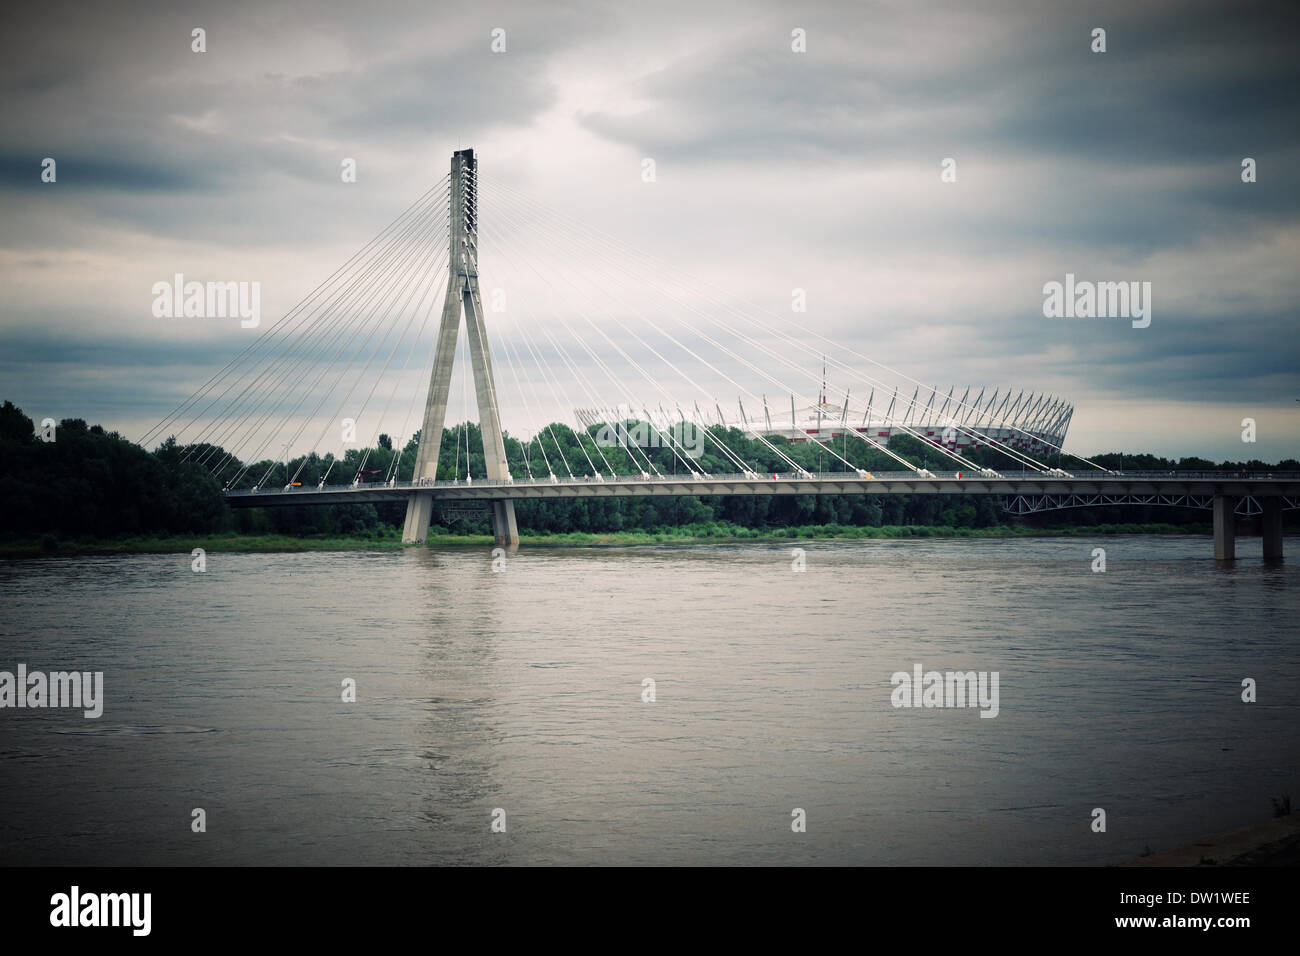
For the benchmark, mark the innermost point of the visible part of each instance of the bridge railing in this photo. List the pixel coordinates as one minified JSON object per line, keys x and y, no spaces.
{"x":690,"y":479}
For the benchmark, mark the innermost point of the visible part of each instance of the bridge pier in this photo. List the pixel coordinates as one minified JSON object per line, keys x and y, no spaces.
{"x":1225,"y":529}
{"x":419,"y":515}
{"x":505,"y":532}
{"x":1271,"y":521}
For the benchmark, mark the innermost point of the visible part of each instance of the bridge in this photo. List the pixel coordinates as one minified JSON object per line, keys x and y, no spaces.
{"x":1028,"y":493}
{"x":276,"y":393}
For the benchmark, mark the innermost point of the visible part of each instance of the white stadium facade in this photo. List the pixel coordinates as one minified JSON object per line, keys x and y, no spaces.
{"x":1034,"y":423}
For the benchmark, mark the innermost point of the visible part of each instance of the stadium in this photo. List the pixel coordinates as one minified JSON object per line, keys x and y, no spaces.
{"x":1036,"y":423}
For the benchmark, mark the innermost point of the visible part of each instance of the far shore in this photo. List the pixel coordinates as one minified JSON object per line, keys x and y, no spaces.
{"x":49,"y":546}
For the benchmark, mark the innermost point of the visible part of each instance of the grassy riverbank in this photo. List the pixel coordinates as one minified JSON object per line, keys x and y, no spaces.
{"x":713,"y":533}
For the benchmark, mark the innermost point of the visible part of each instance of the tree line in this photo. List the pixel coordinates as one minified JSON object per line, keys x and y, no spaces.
{"x":89,"y":482}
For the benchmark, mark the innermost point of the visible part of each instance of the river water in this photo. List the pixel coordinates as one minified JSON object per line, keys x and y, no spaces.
{"x":519,"y":693}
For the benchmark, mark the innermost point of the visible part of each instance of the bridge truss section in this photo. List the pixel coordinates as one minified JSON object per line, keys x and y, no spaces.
{"x":1247,"y":505}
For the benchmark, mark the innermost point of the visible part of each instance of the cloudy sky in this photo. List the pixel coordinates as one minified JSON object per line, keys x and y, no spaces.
{"x":774,"y":170}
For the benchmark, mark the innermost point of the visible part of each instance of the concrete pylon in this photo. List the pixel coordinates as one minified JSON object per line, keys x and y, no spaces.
{"x":1271,"y":521}
{"x":462,"y":295}
{"x":1225,"y":528}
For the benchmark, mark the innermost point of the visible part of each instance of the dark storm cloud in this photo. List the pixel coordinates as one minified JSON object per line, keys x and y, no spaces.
{"x":93,"y":170}
{"x":104,"y":374}
{"x":125,"y":105}
{"x":1179,"y":81}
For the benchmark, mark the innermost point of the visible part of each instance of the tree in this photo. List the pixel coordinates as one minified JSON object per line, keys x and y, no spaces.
{"x":14,"y":425}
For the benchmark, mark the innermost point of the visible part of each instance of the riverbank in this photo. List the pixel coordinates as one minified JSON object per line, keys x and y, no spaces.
{"x":716,"y":533}
{"x":1275,"y":843}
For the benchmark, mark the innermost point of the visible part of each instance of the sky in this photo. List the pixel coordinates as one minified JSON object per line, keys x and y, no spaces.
{"x":774,"y":170}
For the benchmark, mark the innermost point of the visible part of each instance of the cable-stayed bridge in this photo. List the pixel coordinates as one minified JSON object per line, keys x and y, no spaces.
{"x":639,"y":355}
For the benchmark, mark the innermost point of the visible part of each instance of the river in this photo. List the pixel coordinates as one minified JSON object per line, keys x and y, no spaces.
{"x":516,"y":695}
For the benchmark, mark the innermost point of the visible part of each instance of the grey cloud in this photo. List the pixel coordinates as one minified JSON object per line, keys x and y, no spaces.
{"x":1069,"y":161}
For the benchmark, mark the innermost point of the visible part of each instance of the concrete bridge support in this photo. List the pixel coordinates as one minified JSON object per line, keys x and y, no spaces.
{"x":505,"y":533}
{"x":463,"y":296}
{"x":419,"y":515}
{"x":1271,"y":521}
{"x":1225,"y":530}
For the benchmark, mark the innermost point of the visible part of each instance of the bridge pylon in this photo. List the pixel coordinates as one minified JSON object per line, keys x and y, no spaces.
{"x":462,"y":296}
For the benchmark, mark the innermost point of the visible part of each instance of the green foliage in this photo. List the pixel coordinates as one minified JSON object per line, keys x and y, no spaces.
{"x":93,"y":483}
{"x":89,"y":482}
{"x":14,"y":425}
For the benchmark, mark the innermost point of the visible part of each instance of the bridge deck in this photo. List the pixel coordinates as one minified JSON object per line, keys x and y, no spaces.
{"x":893,"y":483}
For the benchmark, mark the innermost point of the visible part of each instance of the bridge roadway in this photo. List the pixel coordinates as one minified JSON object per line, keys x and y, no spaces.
{"x":1224,"y":488}
{"x":825,"y":483}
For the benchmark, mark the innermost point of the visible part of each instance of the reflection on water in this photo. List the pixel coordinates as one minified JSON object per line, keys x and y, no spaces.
{"x":522,"y":690}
